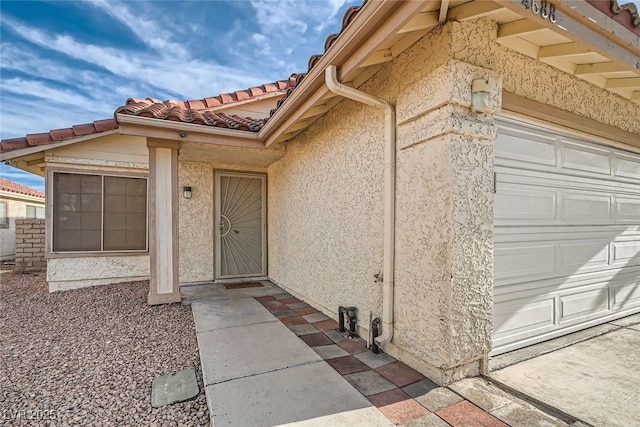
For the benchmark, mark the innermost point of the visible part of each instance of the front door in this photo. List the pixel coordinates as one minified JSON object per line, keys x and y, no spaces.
{"x":240,"y":225}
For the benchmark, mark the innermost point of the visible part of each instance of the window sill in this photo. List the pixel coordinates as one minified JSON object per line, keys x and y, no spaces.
{"x":54,"y":255}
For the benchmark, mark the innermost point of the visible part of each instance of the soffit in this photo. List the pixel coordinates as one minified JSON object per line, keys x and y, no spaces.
{"x":568,"y":45}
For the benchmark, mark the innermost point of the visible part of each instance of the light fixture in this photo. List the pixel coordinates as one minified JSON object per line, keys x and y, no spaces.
{"x":186,"y":192}
{"x":479,"y":95}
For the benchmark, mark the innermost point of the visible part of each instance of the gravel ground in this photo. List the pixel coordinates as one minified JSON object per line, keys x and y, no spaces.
{"x":89,"y":356}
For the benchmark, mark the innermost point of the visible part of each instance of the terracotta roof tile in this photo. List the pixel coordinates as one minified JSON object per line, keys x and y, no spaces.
{"x":57,"y":135}
{"x":197,"y":111}
{"x":60,"y":134}
{"x":623,"y":12}
{"x":14,"y":187}
{"x":179,"y":112}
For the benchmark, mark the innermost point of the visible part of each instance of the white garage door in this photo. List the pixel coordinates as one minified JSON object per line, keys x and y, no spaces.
{"x":567,"y":234}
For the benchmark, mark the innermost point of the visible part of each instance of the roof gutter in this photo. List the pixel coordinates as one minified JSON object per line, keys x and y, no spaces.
{"x":178,"y":131}
{"x":331,"y":79}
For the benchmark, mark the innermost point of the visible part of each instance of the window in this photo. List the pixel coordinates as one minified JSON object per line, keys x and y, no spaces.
{"x":94,"y":213}
{"x":4,"y":215}
{"x":35,"y":212}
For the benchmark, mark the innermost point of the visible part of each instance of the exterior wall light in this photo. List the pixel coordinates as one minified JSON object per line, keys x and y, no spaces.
{"x":186,"y":192}
{"x":479,"y":95}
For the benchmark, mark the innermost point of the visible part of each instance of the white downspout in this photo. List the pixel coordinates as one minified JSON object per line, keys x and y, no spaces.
{"x":338,"y":88}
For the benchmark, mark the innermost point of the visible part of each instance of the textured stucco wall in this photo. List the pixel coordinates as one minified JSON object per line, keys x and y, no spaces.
{"x":81,"y":272}
{"x":325,"y":212}
{"x":325,"y":194}
{"x":475,"y":42}
{"x":196,"y":222}
{"x":197,"y":218}
{"x":445,"y":217}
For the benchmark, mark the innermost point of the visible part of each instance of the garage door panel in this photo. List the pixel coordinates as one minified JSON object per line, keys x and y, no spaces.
{"x":587,"y":255}
{"x":568,"y":255}
{"x":627,"y":209}
{"x":526,"y":147}
{"x":626,"y":253}
{"x":582,"y":206}
{"x":583,"y":305}
{"x":515,"y":262}
{"x":626,"y":295}
{"x":566,"y":234}
{"x":626,"y":167}
{"x":523,"y":317}
{"x":513,"y":201}
{"x":583,"y":157}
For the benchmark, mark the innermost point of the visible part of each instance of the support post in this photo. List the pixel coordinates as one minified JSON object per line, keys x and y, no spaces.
{"x":163,"y":221}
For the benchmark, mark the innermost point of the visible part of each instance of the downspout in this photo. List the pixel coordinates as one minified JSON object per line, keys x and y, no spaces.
{"x":338,"y":88}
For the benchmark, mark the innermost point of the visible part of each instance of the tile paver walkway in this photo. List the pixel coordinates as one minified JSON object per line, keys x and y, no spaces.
{"x":397,"y":390}
{"x":270,"y":359}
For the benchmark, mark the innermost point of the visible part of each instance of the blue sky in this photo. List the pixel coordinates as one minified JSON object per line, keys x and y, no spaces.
{"x":70,"y":62}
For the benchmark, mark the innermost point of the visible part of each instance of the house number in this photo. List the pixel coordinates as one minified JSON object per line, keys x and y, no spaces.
{"x":542,"y":8}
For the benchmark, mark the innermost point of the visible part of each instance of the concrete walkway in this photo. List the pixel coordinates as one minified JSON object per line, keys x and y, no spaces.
{"x":258,"y":373}
{"x":270,"y":359}
{"x":596,"y":381}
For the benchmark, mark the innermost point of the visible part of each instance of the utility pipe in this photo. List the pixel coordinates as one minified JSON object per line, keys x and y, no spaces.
{"x":338,"y":88}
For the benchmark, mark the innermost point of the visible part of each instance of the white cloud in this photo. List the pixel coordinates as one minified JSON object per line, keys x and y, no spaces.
{"x":148,"y":31}
{"x":47,"y":93}
{"x":68,"y":80}
{"x":192,"y":78}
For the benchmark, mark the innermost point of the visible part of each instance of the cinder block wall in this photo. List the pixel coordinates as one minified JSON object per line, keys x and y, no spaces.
{"x":30,"y":246}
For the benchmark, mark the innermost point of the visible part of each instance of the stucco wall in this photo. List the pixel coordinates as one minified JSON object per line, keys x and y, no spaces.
{"x":197,"y":217}
{"x":81,"y":272}
{"x":196,"y":222}
{"x":325,"y":194}
{"x":475,"y":42}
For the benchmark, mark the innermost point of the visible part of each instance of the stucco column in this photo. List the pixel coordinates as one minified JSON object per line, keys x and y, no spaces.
{"x":444,"y":240}
{"x":163,"y":221}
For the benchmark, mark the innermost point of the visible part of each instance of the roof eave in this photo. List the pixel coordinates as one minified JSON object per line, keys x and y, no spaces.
{"x":179,"y":131}
{"x":581,"y":21}
{"x":353,"y":43}
{"x":21,"y":152}
{"x":20,"y":196}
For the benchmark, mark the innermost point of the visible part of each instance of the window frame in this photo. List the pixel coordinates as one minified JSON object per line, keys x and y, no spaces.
{"x":35,"y":211}
{"x":102,"y":252}
{"x":4,"y":221}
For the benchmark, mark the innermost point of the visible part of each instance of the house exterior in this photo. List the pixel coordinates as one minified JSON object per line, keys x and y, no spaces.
{"x":16,"y":202}
{"x":478,"y":192}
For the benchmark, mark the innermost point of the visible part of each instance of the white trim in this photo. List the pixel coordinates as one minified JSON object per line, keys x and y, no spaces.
{"x":190,"y":127}
{"x":21,"y":197}
{"x":531,"y":122}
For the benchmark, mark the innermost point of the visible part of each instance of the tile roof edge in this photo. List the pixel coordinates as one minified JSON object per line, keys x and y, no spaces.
{"x":58,"y":136}
{"x":625,"y":13}
{"x":248,"y":95}
{"x":20,"y":189}
{"x":629,"y":7}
